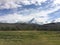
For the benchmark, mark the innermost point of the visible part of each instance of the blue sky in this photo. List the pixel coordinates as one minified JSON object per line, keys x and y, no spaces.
{"x":42,"y":11}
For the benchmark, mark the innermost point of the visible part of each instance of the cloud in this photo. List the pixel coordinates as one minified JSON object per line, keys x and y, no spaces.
{"x":13,"y":18}
{"x":39,"y":18}
{"x":40,"y":15}
{"x":57,"y":1}
{"x":57,"y":20}
{"x":6,"y":4}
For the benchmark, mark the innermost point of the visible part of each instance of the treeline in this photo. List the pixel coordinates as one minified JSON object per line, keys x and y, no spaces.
{"x":29,"y":27}
{"x":18,"y":27}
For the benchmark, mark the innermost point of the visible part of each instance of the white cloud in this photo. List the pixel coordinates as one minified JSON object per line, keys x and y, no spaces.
{"x":40,"y":17}
{"x":57,"y":1}
{"x":15,"y":3}
{"x":41,"y":20}
{"x":8,"y":4}
{"x":43,"y":16}
{"x":13,"y":18}
{"x":57,"y":20}
{"x":38,"y":1}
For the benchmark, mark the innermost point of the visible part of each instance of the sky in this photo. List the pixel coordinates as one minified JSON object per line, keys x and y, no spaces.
{"x":29,"y":11}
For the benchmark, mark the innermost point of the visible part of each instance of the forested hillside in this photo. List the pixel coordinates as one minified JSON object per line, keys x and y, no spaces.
{"x":24,"y":26}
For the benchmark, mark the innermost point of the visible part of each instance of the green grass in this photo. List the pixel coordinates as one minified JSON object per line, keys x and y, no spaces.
{"x":29,"y":38}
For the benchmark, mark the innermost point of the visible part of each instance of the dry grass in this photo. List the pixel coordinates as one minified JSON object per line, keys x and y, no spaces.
{"x":29,"y":38}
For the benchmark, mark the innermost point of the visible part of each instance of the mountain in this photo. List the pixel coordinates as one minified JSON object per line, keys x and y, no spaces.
{"x":29,"y":27}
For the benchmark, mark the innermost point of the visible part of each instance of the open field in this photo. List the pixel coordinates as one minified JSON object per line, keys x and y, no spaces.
{"x":29,"y":38}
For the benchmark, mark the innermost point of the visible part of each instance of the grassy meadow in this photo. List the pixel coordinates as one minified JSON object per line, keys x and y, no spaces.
{"x":29,"y":38}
